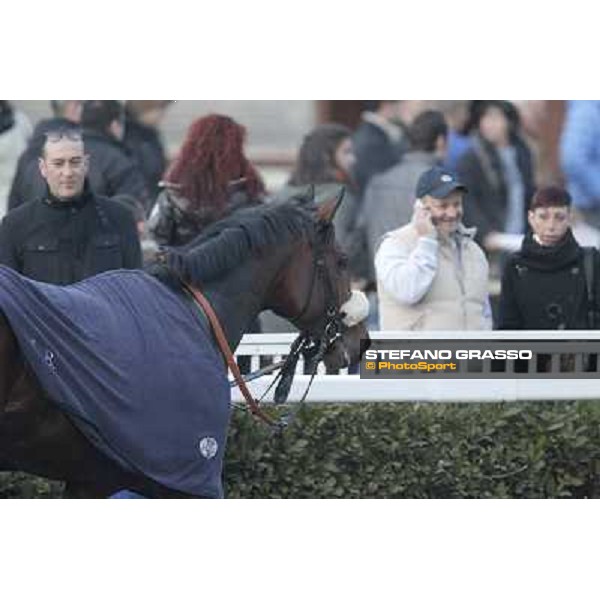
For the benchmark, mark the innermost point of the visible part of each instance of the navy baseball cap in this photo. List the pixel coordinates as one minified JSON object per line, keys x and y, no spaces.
{"x":438,"y":183}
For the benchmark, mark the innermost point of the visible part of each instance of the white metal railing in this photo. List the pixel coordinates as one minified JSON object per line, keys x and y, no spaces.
{"x":351,"y":389}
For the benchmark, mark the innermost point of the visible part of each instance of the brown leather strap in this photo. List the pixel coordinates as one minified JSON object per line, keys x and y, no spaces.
{"x":228,"y":355}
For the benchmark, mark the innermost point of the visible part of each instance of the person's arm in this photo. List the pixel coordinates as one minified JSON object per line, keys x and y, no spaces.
{"x":578,"y":146}
{"x":366,"y":164}
{"x":509,"y":315}
{"x":487,"y":315}
{"x":475,"y":215}
{"x":407,"y":274}
{"x":345,"y":220}
{"x":14,"y":198}
{"x":131,"y":249}
{"x":28,"y":183}
{"x":8,"y":249}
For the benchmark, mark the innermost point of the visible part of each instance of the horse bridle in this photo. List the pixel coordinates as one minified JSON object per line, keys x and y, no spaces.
{"x":312,"y":348}
{"x":332,"y":326}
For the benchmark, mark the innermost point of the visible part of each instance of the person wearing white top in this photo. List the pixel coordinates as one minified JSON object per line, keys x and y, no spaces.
{"x":431,"y":274}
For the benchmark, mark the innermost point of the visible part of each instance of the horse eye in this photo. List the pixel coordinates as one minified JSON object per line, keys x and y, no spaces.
{"x":342,"y":261}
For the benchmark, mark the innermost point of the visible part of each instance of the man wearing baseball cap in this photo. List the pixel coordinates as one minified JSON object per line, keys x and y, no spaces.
{"x":431,"y":274}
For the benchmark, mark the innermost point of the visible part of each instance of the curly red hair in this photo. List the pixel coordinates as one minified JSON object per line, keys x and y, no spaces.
{"x":211,"y":159}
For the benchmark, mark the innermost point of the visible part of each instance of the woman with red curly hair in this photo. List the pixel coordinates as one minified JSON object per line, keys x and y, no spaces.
{"x":209,"y":179}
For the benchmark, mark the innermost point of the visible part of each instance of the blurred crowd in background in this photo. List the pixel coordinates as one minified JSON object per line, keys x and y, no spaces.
{"x":500,"y":151}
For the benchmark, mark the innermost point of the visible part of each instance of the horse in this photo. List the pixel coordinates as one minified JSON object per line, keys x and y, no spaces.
{"x":279,"y":256}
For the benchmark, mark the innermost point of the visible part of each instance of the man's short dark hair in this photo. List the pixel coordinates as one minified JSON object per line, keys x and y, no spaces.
{"x":66,"y":130}
{"x":99,"y":114}
{"x":426,"y":129}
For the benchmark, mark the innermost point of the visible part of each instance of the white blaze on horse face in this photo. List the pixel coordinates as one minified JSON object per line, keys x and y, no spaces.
{"x":356,"y":309}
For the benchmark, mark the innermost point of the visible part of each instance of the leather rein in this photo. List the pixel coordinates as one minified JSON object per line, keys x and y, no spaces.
{"x":306,"y":343}
{"x":228,"y":355}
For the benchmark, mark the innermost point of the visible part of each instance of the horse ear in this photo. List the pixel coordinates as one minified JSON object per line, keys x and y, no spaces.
{"x":327,"y":209}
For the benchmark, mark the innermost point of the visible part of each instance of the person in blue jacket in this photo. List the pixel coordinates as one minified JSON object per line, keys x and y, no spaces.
{"x":580,"y":157}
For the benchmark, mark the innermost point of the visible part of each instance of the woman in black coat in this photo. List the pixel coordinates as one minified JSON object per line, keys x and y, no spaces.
{"x":544,"y":284}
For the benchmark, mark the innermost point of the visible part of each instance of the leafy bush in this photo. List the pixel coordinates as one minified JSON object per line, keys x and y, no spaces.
{"x":515,"y":450}
{"x":19,"y":485}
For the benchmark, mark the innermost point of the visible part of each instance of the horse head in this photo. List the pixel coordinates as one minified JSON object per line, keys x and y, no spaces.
{"x":283,"y":257}
{"x":314,"y":293}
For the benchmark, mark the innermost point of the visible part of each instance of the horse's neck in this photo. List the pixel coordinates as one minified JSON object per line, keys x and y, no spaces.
{"x":236,"y":312}
{"x":238,"y":299}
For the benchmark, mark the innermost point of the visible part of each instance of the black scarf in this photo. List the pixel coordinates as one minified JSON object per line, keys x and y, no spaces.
{"x":550,"y":258}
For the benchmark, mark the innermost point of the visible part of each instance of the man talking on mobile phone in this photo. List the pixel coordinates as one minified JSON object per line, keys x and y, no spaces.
{"x":431,"y":274}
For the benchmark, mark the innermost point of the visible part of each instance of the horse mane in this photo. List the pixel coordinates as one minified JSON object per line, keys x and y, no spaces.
{"x":227,"y":243}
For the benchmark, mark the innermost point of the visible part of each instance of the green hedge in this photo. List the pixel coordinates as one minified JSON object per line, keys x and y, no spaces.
{"x":516,"y":450}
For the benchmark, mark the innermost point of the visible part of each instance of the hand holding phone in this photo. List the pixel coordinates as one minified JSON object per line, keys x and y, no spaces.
{"x":422,"y":220}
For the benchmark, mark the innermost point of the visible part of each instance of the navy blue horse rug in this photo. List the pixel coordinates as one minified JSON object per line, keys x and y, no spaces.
{"x":133,"y":366}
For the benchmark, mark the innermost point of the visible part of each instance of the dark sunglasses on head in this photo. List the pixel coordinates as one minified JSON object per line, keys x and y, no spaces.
{"x":69,"y":134}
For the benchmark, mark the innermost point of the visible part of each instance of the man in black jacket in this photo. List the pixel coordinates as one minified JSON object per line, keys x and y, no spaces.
{"x":71,"y":233}
{"x":112,"y":170}
{"x":27,"y":183}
